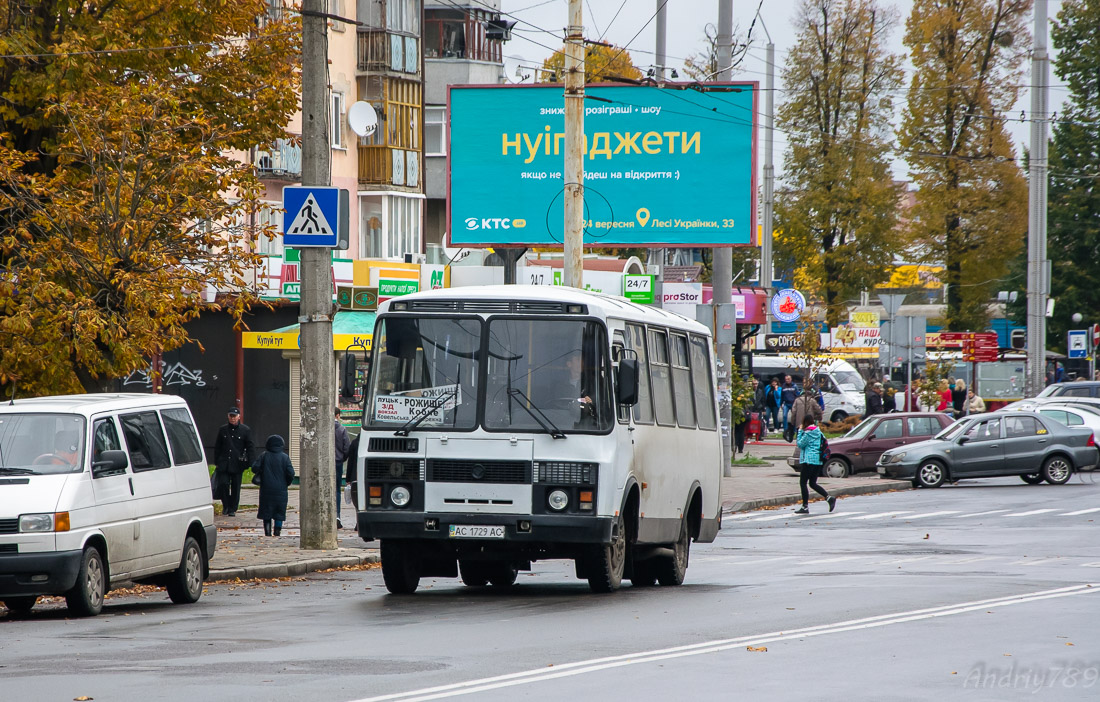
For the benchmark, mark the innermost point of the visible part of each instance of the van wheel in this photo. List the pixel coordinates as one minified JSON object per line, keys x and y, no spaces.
{"x":838,"y":416}
{"x":606,"y":562}
{"x":86,"y":597}
{"x":672,"y":569}
{"x":20,"y":605}
{"x":1057,"y":470}
{"x":503,"y":575}
{"x":400,"y":566}
{"x":1032,"y":478}
{"x":185,"y":582}
{"x":473,"y":574}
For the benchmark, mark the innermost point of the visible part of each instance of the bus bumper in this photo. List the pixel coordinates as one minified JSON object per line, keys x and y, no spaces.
{"x":551,"y":529}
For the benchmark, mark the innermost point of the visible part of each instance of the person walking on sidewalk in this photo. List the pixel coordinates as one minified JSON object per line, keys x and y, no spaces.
{"x":809,"y":446}
{"x":276,"y":473}
{"x":233,"y":452}
{"x":772,"y":399}
{"x":343,"y":443}
{"x":788,"y":394}
{"x":805,"y":406}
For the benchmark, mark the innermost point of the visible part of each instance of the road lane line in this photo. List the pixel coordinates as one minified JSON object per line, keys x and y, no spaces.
{"x":973,"y":559}
{"x":932,"y":514}
{"x":838,"y":559}
{"x":1028,"y":514}
{"x":1080,"y":511}
{"x":881,"y":514}
{"x":598,"y":664}
{"x":1034,"y":561}
{"x":834,"y":515}
{"x":980,"y":514}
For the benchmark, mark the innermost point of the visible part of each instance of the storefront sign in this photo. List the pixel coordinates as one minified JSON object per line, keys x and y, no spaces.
{"x":394,"y":287}
{"x":788,"y":304}
{"x":638,"y":288}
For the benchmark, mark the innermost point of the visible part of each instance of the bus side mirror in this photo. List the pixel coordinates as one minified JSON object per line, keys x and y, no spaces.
{"x":347,"y":376}
{"x":627,"y":382}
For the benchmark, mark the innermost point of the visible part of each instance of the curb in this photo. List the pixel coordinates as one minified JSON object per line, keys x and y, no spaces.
{"x":293,"y":568}
{"x":782,"y":500}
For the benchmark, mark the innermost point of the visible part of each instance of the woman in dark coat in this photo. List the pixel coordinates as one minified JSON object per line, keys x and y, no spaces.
{"x":276,"y":474}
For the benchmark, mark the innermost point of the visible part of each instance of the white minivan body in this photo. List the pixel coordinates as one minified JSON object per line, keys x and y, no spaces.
{"x":840,"y":383}
{"x":96,"y":490}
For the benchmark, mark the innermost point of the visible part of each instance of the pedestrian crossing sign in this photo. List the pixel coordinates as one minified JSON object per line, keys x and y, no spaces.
{"x":315,"y":217}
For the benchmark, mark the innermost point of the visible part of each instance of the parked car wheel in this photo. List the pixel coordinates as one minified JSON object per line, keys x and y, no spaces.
{"x":185,"y":583}
{"x":837,"y":467}
{"x":1057,"y":470}
{"x":1032,"y":478}
{"x":86,"y":597}
{"x":931,"y":474}
{"x":20,"y":605}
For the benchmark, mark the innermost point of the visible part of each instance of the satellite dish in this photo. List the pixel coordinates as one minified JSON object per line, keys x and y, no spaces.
{"x":362,"y":118}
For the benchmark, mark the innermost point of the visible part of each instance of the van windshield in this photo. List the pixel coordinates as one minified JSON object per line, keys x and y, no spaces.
{"x":849,"y":380}
{"x":41,"y":444}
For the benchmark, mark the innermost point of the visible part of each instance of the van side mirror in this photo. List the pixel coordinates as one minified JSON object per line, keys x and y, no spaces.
{"x":626,"y":382}
{"x":348,"y":376}
{"x":109,"y":463}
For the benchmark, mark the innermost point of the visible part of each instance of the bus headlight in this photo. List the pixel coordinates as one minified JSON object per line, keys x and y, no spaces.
{"x":400,"y":496}
{"x":557,"y":500}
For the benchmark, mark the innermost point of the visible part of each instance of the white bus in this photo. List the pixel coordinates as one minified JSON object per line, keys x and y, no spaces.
{"x":508,"y":424}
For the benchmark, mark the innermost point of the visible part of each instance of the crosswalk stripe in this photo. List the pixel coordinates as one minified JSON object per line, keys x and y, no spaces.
{"x":834,"y":515}
{"x":1081,"y":511}
{"x":773,"y":517}
{"x":932,"y":514}
{"x":1034,"y":561}
{"x":980,"y":514}
{"x":743,"y":515}
{"x":837,"y":559}
{"x":1028,"y":514}
{"x":882,"y":514}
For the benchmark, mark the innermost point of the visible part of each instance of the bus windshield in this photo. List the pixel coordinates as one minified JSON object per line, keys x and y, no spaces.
{"x":424,"y":365}
{"x":554,"y":367}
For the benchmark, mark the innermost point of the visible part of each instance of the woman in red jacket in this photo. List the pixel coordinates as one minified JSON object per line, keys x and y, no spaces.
{"x":945,"y":398}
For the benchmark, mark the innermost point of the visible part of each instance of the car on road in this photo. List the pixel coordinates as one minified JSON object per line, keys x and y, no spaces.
{"x":1026,"y":444}
{"x":1077,"y":388}
{"x":1031,"y":403}
{"x":1072,"y":415}
{"x":859,"y":449}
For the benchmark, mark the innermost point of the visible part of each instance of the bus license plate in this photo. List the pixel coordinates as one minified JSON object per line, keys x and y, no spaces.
{"x":473,"y":531}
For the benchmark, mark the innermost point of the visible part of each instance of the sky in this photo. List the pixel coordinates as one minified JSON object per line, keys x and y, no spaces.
{"x":629,"y":23}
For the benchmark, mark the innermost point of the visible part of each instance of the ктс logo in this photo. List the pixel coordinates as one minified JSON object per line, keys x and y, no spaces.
{"x":473,"y":223}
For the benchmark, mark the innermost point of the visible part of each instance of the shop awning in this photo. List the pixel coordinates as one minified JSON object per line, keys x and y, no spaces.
{"x":349,"y":328}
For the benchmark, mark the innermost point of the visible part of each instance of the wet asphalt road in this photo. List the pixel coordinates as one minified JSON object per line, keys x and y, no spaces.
{"x":976,"y":591}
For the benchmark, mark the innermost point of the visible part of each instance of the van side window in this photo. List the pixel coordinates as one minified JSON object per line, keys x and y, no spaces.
{"x":661,"y":377}
{"x":704,"y":384}
{"x":635,"y":339}
{"x":681,"y":377}
{"x":144,"y":441}
{"x":181,"y":436}
{"x":104,"y":438}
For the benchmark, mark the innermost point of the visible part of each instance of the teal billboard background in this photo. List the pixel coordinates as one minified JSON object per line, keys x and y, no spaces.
{"x":672,"y":166}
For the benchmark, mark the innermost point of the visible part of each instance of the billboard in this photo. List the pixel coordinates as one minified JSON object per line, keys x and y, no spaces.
{"x":671,"y":166}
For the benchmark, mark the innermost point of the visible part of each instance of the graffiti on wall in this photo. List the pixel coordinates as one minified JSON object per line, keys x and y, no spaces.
{"x":176,"y":374}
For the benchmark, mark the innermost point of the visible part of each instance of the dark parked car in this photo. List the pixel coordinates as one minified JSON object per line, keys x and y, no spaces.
{"x":1078,"y":388}
{"x":1034,"y":447}
{"x":859,"y":449}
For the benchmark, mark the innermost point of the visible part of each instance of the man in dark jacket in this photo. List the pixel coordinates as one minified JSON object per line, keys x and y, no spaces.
{"x":343,"y":443}
{"x":233,"y":452}
{"x":788,"y":394}
{"x":874,"y":400}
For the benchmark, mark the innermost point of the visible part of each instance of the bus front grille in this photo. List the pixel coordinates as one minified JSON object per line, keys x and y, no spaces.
{"x":455,"y":471}
{"x":394,"y":469}
{"x":387,"y":444}
{"x":566,"y":472}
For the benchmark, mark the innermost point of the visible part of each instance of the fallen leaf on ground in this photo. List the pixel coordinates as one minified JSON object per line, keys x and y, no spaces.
{"x":82,"y":698}
{"x":761,"y":649}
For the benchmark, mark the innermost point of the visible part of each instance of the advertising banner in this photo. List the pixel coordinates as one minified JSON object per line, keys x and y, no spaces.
{"x":672,"y":166}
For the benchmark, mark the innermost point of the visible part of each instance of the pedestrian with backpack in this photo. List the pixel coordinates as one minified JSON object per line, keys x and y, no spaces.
{"x":812,"y":449}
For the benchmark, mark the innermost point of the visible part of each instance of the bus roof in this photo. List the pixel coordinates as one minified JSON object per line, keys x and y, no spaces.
{"x":599,"y":304}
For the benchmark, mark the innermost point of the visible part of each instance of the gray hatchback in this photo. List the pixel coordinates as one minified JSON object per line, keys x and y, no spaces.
{"x":1026,"y":444}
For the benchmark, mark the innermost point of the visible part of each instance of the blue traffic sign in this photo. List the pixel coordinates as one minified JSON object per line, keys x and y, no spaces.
{"x":1078,"y":343}
{"x":314,"y":216}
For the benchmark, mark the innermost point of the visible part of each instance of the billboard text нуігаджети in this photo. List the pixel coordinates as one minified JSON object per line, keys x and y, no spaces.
{"x":671,"y":166}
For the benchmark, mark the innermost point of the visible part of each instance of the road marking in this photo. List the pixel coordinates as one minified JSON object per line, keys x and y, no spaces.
{"x":973,"y":559}
{"x":838,"y":559}
{"x":932,"y":514}
{"x":1028,"y":514}
{"x":1080,"y":511}
{"x":773,"y":517}
{"x":980,"y":514}
{"x":910,"y":559}
{"x":1034,"y":561}
{"x":595,"y":665}
{"x":743,"y":515}
{"x":831,"y":516}
{"x":881,"y":514}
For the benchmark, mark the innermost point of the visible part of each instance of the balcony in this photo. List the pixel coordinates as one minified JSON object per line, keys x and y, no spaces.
{"x":383,"y":165}
{"x":384,"y":51}
{"x":283,"y":159}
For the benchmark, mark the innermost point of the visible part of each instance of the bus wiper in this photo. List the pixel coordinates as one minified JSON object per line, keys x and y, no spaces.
{"x":6,"y":470}
{"x":544,"y":422}
{"x":425,"y":413}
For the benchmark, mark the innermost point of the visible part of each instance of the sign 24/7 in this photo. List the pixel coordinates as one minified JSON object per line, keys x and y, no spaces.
{"x":638,"y":288}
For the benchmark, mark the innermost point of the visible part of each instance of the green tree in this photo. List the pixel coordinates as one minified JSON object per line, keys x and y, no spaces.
{"x":1073,"y":219}
{"x":602,"y":64}
{"x":837,"y":208}
{"x":971,"y":203}
{"x":119,"y":184}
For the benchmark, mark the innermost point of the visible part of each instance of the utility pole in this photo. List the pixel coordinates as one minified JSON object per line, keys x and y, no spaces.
{"x":766,"y":274}
{"x":660,"y":256}
{"x":574,"y":147}
{"x":318,"y":384}
{"x":1038,"y":278}
{"x":722,"y":277}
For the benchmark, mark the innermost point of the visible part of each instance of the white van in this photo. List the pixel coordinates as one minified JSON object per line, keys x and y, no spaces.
{"x":839,"y":382}
{"x":100,"y":489}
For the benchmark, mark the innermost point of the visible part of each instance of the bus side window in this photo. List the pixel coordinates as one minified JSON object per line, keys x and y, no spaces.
{"x":704,"y":383}
{"x":635,"y":340}
{"x":681,"y":381}
{"x":661,"y":377}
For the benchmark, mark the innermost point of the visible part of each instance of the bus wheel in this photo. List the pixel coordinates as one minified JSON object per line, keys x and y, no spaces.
{"x":606,"y":562}
{"x":400,"y":567}
{"x":672,"y":569}
{"x":644,"y":574}
{"x":473,"y":574}
{"x":503,"y":575}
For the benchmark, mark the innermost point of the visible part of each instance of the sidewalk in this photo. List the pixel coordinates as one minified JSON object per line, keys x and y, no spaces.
{"x":244,"y":552}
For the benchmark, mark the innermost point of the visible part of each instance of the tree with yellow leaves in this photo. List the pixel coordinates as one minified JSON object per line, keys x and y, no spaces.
{"x":602,"y":64}
{"x":120,"y":198}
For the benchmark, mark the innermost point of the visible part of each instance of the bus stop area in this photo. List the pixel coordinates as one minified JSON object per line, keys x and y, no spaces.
{"x":244,"y":552}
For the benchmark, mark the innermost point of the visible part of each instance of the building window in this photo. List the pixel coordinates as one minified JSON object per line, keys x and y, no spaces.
{"x":269,"y":219}
{"x":403,"y":16}
{"x":336,"y":8}
{"x":403,"y":226}
{"x":435,"y":131}
{"x":337,"y":123}
{"x":370,"y":229}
